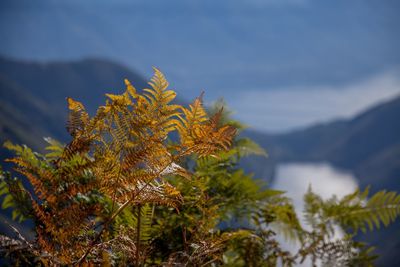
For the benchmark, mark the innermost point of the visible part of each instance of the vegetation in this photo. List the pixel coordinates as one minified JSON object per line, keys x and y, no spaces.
{"x":145,"y":182}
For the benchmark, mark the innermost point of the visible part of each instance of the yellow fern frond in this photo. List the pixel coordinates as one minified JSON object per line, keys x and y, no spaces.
{"x":130,"y":89}
{"x":158,"y":81}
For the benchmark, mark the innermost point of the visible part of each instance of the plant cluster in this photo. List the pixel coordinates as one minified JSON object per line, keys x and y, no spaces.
{"x":145,"y":182}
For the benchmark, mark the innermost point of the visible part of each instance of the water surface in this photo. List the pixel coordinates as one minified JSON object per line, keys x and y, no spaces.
{"x":325,"y":180}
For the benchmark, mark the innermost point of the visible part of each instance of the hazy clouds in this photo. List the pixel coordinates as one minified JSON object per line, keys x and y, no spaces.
{"x":291,"y":107}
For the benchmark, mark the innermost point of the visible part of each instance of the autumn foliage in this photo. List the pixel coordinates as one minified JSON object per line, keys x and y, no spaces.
{"x":117,"y":159}
{"x":147,"y":182}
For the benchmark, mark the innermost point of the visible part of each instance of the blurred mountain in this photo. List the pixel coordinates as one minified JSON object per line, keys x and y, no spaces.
{"x":367,"y":145}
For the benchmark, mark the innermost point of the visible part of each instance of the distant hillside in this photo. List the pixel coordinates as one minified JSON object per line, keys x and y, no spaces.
{"x":32,"y":95}
{"x":367,"y":145}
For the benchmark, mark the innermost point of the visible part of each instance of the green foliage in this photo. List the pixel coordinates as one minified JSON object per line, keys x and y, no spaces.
{"x":350,"y":214}
{"x":354,"y":212}
{"x":15,"y":197}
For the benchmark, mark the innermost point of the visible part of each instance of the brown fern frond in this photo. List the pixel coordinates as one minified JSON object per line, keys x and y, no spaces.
{"x":120,"y":157}
{"x":78,"y":117}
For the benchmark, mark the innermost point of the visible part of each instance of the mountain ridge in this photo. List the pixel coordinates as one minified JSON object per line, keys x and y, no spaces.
{"x":348,"y":144}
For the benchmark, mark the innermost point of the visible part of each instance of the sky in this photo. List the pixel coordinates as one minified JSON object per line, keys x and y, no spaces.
{"x":280,"y":64}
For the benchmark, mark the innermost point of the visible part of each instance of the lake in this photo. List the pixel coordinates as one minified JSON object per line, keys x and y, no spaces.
{"x":325,"y":180}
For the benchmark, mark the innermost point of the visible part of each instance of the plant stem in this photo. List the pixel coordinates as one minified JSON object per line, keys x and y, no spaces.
{"x":139,"y":213}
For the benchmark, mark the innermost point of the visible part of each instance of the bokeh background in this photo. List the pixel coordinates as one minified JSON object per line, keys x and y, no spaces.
{"x":317,"y":81}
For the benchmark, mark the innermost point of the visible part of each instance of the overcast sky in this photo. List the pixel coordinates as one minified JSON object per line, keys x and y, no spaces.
{"x":271,"y":59}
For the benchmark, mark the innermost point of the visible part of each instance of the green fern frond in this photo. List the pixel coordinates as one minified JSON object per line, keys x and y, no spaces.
{"x":381,"y":208}
{"x":246,"y":147}
{"x":280,"y":214}
{"x":354,"y":211}
{"x":15,"y":196}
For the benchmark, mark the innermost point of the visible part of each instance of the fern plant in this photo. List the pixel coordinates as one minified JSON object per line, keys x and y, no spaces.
{"x":117,"y":160}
